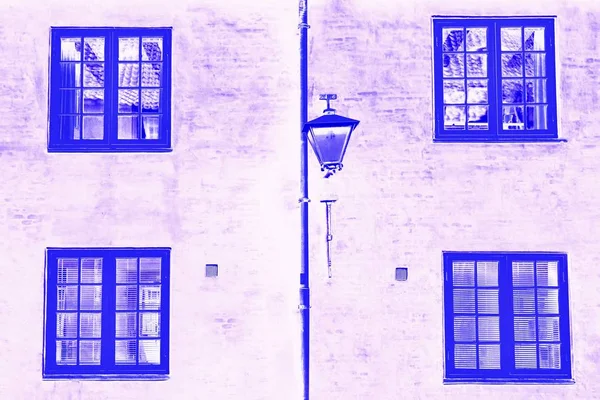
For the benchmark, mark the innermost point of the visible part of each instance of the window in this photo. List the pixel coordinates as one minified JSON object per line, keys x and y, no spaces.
{"x":110,"y":89}
{"x":494,"y":79}
{"x":107,"y":313}
{"x":506,"y":317}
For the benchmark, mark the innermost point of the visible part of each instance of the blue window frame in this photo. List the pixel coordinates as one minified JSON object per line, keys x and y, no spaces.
{"x":110,"y":89}
{"x":107,"y":313}
{"x":506,"y":317}
{"x":494,"y":79}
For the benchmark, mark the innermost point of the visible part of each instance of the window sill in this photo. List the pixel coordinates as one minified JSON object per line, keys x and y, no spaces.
{"x":508,"y":381}
{"x":100,"y":377}
{"x":495,"y":140}
{"x":128,"y":149}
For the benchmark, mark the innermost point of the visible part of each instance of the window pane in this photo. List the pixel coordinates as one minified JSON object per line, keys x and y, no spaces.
{"x":489,"y":356}
{"x":489,"y":329}
{"x":93,"y":101}
{"x":550,"y":356}
{"x":525,"y":329}
{"x":464,"y":329}
{"x":127,"y":297}
{"x":454,"y":117}
{"x":537,"y":117}
{"x":535,"y":64}
{"x":452,"y":39}
{"x":476,"y":39}
{"x":525,"y":356}
{"x":487,"y":273}
{"x":477,"y":65}
{"x":464,"y":300}
{"x":149,"y":297}
{"x":89,"y":352}
{"x":127,"y":270}
{"x":149,"y":324}
{"x":90,"y":325}
{"x":151,"y":74}
{"x":487,"y":301}
{"x":70,"y":49}
{"x":547,"y":273}
{"x":70,"y":127}
{"x":93,"y":128}
{"x":522,"y":273}
{"x":149,"y":352}
{"x":93,"y":75}
{"x":512,"y":91}
{"x":151,"y":100}
{"x":66,"y":325}
{"x":549,"y":329}
{"x":536,"y":90}
{"x":129,"y":74}
{"x":547,"y":301}
{"x":454,"y":65}
{"x":70,"y":75}
{"x":150,"y":270}
{"x":126,"y":324}
{"x":68,"y":269}
{"x":454,"y":91}
{"x":524,"y":301}
{"x":150,"y":127}
{"x":128,"y":127}
{"x":91,"y":270}
{"x":465,"y":356}
{"x":463,"y":273}
{"x":152,"y":48}
{"x":91,"y":297}
{"x":66,"y":352}
{"x":534,"y":39}
{"x":66,"y":297}
{"x":512,"y":118}
{"x":129,"y":101}
{"x":477,"y":91}
{"x":125,"y":352}
{"x":510,"y":39}
{"x":129,"y":49}
{"x":512,"y":65}
{"x":478,"y":117}
{"x":94,"y":49}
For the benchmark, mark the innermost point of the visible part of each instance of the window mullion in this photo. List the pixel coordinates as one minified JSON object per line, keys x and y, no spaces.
{"x":108,"y":313}
{"x":497,"y":81}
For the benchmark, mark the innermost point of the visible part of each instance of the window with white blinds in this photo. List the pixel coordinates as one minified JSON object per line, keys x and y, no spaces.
{"x":506,"y":316}
{"x":107,"y":312}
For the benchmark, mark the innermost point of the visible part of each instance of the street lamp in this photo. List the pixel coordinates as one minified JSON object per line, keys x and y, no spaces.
{"x":329,"y":136}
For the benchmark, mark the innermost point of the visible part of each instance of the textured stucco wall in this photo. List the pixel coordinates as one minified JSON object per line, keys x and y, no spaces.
{"x":228,"y":194}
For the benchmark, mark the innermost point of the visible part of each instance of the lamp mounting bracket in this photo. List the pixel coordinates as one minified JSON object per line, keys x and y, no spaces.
{"x":328,"y":97}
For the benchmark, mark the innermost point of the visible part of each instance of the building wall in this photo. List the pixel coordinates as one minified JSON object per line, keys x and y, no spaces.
{"x":228,"y":194}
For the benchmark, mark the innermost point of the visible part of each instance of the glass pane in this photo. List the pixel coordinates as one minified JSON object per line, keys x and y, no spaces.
{"x":125,"y":351}
{"x":93,"y":101}
{"x":127,"y":297}
{"x":94,"y":49}
{"x":66,"y":325}
{"x":477,"y":91}
{"x":152,"y":48}
{"x":454,"y":65}
{"x":150,"y":127}
{"x":91,"y":297}
{"x":536,"y":90}
{"x":512,"y":65}
{"x":149,"y":297}
{"x":128,"y":127}
{"x":149,"y":324}
{"x":70,"y":49}
{"x":129,"y":74}
{"x":452,"y":39}
{"x":477,"y":65}
{"x":69,"y":101}
{"x":464,"y":300}
{"x":487,"y":273}
{"x":535,"y":64}
{"x":150,"y":270}
{"x":463,"y":273}
{"x":465,"y":356}
{"x":464,"y":329}
{"x":454,"y":117}
{"x":129,"y":101}
{"x":68,"y":270}
{"x":126,"y":324}
{"x":151,"y":100}
{"x":89,"y":352}
{"x":547,"y":273}
{"x":522,"y":273}
{"x":66,"y":352}
{"x":512,"y":91}
{"x":534,"y":39}
{"x":524,"y":301}
{"x":93,"y":128}
{"x":66,"y":297}
{"x":454,"y":91}
{"x":90,"y":325}
{"x":476,"y":39}
{"x":536,"y":117}
{"x":149,"y":352}
{"x":489,"y":329}
{"x":525,"y":329}
{"x":70,"y":127}
{"x":512,"y":118}
{"x":547,"y":301}
{"x":489,"y":356}
{"x":91,"y":270}
{"x":550,"y":356}
{"x":70,"y":75}
{"x":487,"y":301}
{"x":549,"y":329}
{"x":510,"y":39}
{"x":127,"y":270}
{"x":525,"y":356}
{"x":129,"y":49}
{"x":151,"y":74}
{"x":478,"y":117}
{"x":93,"y":75}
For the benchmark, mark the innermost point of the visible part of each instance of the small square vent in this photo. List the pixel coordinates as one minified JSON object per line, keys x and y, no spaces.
{"x":401,"y":274}
{"x":212,"y":270}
